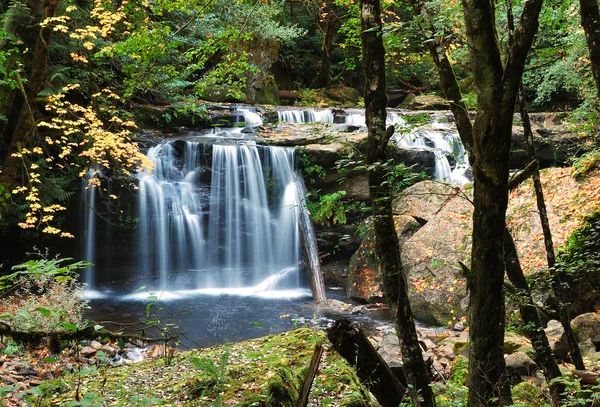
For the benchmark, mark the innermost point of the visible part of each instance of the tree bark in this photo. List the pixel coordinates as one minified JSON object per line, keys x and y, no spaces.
{"x":386,"y":245}
{"x":590,"y":21}
{"x":497,"y":88}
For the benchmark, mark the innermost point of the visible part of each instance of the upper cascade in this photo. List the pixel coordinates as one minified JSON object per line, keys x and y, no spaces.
{"x":451,"y":164}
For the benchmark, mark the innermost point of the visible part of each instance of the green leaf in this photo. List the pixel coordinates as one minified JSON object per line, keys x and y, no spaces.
{"x":68,"y":326}
{"x":44,"y":311}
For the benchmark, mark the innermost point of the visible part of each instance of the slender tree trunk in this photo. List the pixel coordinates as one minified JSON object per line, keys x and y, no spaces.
{"x":564,"y":317}
{"x":590,"y":21}
{"x":25,"y":126}
{"x":323,"y":79}
{"x":386,"y":246}
{"x":534,"y":327}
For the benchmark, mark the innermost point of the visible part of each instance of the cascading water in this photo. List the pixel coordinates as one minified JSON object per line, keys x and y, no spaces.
{"x":234,"y":233}
{"x":89,"y":223}
{"x":444,"y":142}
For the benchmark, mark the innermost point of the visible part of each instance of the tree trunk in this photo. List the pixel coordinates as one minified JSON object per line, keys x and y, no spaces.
{"x":590,"y":21}
{"x":386,"y":245}
{"x":534,"y":328}
{"x":497,"y":87}
{"x":323,"y":79}
{"x":25,"y":126}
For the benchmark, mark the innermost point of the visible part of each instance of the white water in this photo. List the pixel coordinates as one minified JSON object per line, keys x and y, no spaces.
{"x":231,"y":234}
{"x":445,"y":141}
{"x":89,"y":224}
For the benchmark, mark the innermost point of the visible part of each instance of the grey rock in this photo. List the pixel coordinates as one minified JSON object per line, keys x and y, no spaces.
{"x":109,"y":350}
{"x":95,"y":345}
{"x":587,"y":326}
{"x":519,"y":363}
{"x":88,"y":351}
{"x":557,"y":339}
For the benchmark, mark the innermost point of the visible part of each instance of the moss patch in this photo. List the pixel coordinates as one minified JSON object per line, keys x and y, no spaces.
{"x":266,"y":371}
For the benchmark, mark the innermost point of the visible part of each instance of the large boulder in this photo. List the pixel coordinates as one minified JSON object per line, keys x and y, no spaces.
{"x":587,"y":327}
{"x":424,"y":200}
{"x":364,"y":281}
{"x":430,"y":260}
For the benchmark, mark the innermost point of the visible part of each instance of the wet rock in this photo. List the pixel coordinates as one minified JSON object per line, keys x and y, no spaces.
{"x":557,"y":339}
{"x":519,"y":363}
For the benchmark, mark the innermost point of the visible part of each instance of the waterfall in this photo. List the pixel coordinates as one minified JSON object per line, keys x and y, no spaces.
{"x":237,"y":231}
{"x":444,"y":142}
{"x":89,"y":224}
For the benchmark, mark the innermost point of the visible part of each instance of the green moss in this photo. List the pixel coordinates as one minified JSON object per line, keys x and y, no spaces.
{"x":528,"y":394}
{"x":261,"y":372}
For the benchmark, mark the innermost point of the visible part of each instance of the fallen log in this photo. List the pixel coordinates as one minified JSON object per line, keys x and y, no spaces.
{"x":354,"y":346}
{"x":587,"y":377}
{"x":310,"y":376}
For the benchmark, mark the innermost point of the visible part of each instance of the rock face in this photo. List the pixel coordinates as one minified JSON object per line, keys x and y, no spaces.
{"x":364,"y":281}
{"x":429,"y":258}
{"x":557,"y":340}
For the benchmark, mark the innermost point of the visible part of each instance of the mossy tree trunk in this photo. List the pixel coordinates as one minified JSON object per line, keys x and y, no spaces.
{"x":590,"y":21}
{"x":386,"y":239}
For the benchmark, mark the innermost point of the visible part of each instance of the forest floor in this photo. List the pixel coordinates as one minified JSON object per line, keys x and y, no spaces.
{"x":267,"y":371}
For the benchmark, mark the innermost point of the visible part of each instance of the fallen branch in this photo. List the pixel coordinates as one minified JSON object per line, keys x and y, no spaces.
{"x":310,"y":376}
{"x":587,"y":377}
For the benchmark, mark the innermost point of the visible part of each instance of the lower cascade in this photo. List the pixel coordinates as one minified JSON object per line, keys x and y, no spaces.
{"x":214,"y":219}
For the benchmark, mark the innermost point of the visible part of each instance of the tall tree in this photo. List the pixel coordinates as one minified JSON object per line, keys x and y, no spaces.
{"x":590,"y":20}
{"x":497,"y":86}
{"x":327,"y":24}
{"x":386,"y":246}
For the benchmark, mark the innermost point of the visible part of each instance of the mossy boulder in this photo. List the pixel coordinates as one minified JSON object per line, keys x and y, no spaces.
{"x":344,"y":95}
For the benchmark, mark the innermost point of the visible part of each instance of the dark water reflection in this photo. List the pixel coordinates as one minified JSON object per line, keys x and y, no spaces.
{"x":205,"y":320}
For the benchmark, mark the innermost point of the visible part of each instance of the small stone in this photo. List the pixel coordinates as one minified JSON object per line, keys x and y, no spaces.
{"x":428,"y":343}
{"x":95,"y":345}
{"x":25,"y":371}
{"x":47,"y":375}
{"x":34,"y":382}
{"x":459,"y":326}
{"x":88,"y":351}
{"x":8,"y":379}
{"x":109,"y":350}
